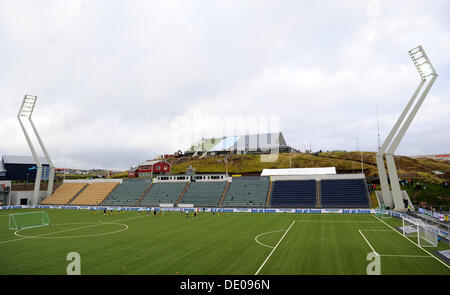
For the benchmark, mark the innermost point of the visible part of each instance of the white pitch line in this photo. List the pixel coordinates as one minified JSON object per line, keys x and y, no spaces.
{"x":266,"y":233}
{"x":72,"y":229}
{"x":445,"y":264}
{"x":373,"y":250}
{"x":335,"y":221}
{"x":100,"y":223}
{"x":411,"y":256}
{"x":7,"y":241}
{"x":82,"y":236}
{"x":273,"y":250}
{"x":63,"y":231}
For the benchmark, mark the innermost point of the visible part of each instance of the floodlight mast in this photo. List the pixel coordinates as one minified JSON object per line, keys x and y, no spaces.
{"x":26,"y":110}
{"x":51,"y":174}
{"x":425,"y":69}
{"x":385,"y":191}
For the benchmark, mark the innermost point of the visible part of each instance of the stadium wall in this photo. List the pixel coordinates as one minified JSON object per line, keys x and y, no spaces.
{"x":17,"y":196}
{"x":227,"y":210}
{"x":317,"y":177}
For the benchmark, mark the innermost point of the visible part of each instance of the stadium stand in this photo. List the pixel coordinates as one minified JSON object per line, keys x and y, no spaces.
{"x":127,"y":193}
{"x":293,"y":194}
{"x":345,"y":193}
{"x":64,"y":194}
{"x":247,"y":192}
{"x":95,"y":193}
{"x":186,"y":187}
{"x":163,"y":192}
{"x":204,"y":193}
{"x":224,"y":193}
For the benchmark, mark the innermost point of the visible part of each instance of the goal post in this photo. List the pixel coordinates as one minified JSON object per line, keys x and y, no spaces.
{"x":424,"y":234}
{"x":19,"y":221}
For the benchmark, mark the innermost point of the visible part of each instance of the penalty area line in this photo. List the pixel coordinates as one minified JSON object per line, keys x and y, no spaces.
{"x":274,"y":248}
{"x":445,"y":264}
{"x":409,"y":256}
{"x":373,"y":250}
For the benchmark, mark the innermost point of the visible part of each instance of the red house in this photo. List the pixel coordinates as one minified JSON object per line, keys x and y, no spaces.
{"x":150,"y":169}
{"x":133,"y":173}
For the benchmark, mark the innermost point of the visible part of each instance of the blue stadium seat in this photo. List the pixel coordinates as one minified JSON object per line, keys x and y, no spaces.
{"x":344,"y":193}
{"x":293,"y":194}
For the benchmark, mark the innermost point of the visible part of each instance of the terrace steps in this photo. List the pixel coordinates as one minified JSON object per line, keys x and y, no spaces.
{"x":101,"y":203}
{"x":222,"y":197}
{"x":138,"y":203}
{"x":64,"y":194}
{"x":318,"y":205}
{"x":95,"y":193}
{"x":269,"y":192}
{"x":183,"y":192}
{"x":77,"y":194}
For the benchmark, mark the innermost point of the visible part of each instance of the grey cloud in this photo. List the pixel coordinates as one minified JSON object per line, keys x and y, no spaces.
{"x":113,"y":76}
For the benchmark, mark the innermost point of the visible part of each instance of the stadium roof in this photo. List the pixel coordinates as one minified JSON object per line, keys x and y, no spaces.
{"x":22,"y":160}
{"x":250,"y":142}
{"x":299,"y":171}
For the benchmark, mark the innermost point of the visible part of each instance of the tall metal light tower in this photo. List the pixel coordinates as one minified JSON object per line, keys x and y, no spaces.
{"x":25,"y":111}
{"x":425,"y":68}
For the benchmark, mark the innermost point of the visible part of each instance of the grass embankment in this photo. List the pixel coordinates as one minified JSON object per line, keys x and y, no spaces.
{"x":434,"y":194}
{"x":248,"y":164}
{"x":419,"y":169}
{"x":345,"y":162}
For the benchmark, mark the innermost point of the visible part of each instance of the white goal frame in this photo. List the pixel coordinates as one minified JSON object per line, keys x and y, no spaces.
{"x":423,"y":231}
{"x":12,"y":225}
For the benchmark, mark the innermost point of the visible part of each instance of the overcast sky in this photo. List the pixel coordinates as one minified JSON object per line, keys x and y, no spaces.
{"x":119,"y":82}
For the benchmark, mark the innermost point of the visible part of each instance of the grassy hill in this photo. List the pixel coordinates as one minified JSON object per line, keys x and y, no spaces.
{"x":420,"y":170}
{"x":345,"y":162}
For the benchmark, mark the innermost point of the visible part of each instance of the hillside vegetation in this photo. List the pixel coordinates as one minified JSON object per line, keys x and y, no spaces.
{"x":345,"y":162}
{"x":420,"y":170}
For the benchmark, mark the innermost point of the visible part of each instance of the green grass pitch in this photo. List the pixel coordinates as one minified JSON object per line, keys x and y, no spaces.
{"x":221,"y":244}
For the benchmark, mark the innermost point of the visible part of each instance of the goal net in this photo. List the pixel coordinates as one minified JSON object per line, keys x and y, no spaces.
{"x":19,"y":221}
{"x":424,"y":234}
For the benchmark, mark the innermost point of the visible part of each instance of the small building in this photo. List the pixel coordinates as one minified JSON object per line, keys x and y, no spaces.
{"x":151,"y":168}
{"x":133,"y":173}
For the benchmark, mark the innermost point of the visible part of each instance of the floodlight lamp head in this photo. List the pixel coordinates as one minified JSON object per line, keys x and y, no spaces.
{"x":27,"y":107}
{"x":422,"y":63}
